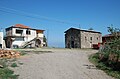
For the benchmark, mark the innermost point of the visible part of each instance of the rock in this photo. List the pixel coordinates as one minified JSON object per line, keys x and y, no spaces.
{"x":1,"y":66}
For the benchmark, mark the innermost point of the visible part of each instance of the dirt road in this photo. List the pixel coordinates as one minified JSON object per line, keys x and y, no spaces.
{"x":59,"y":64}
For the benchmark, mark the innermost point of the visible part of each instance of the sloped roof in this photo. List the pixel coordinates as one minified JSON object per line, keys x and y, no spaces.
{"x":111,"y":35}
{"x":21,"y":26}
{"x":82,"y":30}
{"x":108,"y":35}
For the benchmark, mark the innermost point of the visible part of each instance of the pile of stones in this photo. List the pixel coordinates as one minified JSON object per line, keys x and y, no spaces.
{"x":9,"y":53}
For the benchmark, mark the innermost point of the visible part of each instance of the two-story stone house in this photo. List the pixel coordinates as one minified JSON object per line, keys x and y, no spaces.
{"x":21,"y":35}
{"x":77,"y":38}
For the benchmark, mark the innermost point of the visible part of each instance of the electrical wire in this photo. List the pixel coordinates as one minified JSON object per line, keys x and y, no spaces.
{"x":35,"y":16}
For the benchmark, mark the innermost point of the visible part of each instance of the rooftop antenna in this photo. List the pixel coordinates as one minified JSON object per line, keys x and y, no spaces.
{"x":79,"y":26}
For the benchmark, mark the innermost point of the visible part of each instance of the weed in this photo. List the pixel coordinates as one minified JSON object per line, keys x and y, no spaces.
{"x":14,"y":65}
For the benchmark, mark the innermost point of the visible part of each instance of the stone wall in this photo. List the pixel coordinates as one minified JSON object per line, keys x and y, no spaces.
{"x":90,"y":38}
{"x":72,"y":39}
{"x":76,"y":38}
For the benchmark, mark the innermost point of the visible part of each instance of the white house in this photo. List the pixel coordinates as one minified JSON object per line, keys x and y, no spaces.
{"x":1,"y":39}
{"x":21,"y":35}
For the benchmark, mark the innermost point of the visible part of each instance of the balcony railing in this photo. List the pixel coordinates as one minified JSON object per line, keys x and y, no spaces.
{"x":15,"y":35}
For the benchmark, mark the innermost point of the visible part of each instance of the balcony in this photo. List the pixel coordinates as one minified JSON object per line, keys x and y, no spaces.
{"x":15,"y":35}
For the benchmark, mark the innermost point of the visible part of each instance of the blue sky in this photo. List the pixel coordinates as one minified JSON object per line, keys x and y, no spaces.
{"x":98,"y":14}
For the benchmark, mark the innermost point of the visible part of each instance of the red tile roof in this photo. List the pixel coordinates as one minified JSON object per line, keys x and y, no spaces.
{"x":21,"y":26}
{"x":108,"y":35}
{"x":111,"y":35}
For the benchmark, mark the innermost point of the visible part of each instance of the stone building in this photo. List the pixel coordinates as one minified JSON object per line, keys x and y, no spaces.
{"x":77,"y":38}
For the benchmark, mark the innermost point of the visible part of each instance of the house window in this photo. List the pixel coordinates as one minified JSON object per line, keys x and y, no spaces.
{"x":19,"y":31}
{"x":97,"y":38}
{"x":91,"y":38}
{"x":28,"y":32}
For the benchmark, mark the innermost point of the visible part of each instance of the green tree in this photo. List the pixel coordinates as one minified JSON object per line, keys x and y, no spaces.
{"x":112,"y":48}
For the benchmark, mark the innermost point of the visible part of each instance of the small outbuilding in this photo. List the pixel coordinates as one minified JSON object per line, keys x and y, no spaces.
{"x":109,"y":37}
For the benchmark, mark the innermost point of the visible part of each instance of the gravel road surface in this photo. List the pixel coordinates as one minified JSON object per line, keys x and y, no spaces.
{"x":58,"y":64}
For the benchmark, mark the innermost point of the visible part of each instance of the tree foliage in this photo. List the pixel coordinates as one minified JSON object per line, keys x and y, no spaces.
{"x":90,"y":28}
{"x":111,"y":52}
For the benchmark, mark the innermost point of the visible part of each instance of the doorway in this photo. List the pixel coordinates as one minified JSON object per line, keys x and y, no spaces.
{"x":72,"y":44}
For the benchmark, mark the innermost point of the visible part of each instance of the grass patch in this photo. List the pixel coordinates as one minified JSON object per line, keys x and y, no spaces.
{"x":13,"y":60}
{"x":14,"y":65}
{"x":5,"y":72}
{"x":34,"y":52}
{"x":3,"y":62}
{"x":40,"y":52}
{"x":94,"y":58}
{"x":22,"y":53}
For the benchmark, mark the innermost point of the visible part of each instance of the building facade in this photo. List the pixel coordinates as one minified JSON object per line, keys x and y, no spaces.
{"x":1,"y":39}
{"x":20,"y":35}
{"x":77,"y":38}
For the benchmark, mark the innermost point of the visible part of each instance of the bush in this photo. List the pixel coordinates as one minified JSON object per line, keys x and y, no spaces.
{"x":108,"y":58}
{"x":110,"y":54}
{"x":103,"y":66}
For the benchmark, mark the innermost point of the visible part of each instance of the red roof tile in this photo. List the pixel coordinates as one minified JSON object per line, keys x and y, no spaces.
{"x":111,"y":35}
{"x":108,"y":35}
{"x":21,"y":26}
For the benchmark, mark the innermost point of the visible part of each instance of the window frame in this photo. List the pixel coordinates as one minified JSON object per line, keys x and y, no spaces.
{"x":28,"y":32}
{"x":18,"y":31}
{"x":91,"y":38}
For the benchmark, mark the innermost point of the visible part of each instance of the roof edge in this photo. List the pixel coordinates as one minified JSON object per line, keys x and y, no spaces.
{"x":83,"y":30}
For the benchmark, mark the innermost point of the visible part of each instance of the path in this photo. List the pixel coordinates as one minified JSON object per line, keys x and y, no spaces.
{"x":59,"y":64}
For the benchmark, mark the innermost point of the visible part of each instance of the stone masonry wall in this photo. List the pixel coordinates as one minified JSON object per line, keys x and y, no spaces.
{"x":90,"y":38}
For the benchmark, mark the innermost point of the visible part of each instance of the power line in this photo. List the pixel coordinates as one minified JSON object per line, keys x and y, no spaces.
{"x":35,"y":16}
{"x":19,"y":14}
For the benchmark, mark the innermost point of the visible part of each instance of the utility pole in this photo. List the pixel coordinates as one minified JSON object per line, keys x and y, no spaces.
{"x":47,"y":36}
